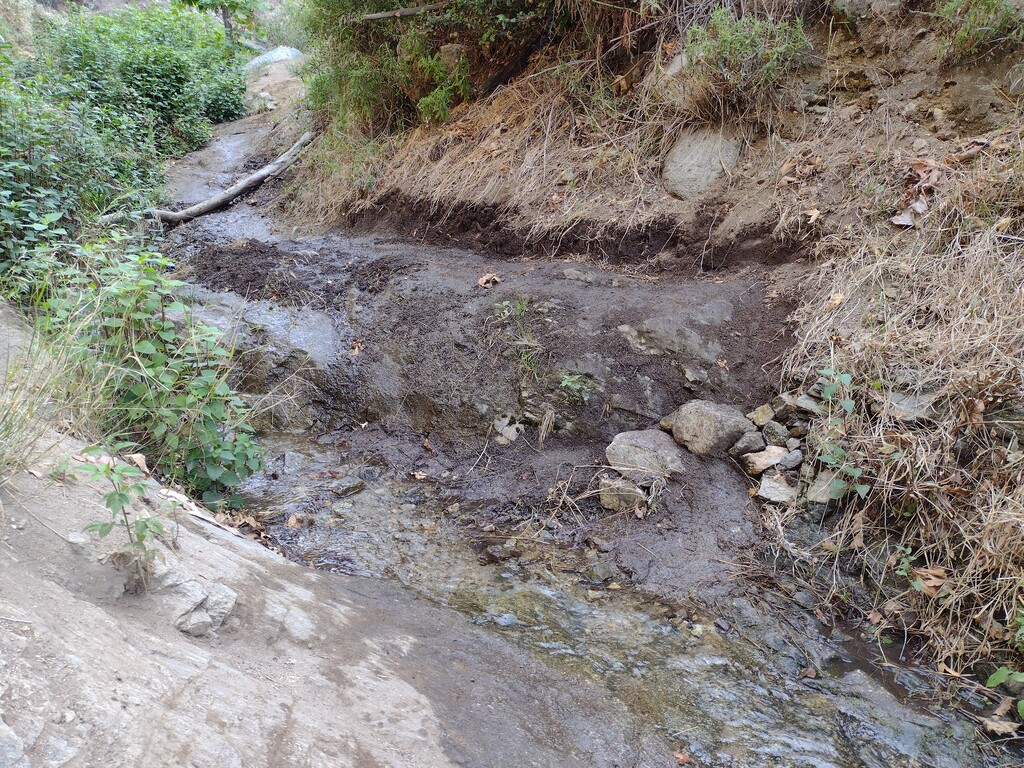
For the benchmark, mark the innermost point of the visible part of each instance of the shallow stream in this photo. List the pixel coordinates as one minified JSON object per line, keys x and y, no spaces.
{"x":713,"y":695}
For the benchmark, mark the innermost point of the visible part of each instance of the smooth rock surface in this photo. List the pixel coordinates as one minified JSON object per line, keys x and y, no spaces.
{"x":749,"y":442}
{"x":775,"y":488}
{"x":620,"y":495}
{"x":756,"y":463}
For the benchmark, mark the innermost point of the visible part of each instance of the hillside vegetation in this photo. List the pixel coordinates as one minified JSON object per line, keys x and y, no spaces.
{"x":92,"y":107}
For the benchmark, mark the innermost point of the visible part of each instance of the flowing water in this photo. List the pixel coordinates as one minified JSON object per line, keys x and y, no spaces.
{"x":713,"y":695}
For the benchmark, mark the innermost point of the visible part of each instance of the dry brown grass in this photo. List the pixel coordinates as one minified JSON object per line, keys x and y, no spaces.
{"x":581,"y":136}
{"x":936,"y":315}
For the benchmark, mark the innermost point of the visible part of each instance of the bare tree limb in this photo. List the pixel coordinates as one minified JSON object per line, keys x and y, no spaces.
{"x":223,"y":198}
{"x":401,"y":13}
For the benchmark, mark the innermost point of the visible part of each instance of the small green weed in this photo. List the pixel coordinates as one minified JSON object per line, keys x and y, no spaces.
{"x":127,"y":486}
{"x":576,"y":387}
{"x":838,"y":391}
{"x":976,"y":25}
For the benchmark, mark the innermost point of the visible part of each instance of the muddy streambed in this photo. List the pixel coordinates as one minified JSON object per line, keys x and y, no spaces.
{"x":402,"y":419}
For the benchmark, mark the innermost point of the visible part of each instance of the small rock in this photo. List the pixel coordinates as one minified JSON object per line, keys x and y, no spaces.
{"x":705,"y":427}
{"x":798,"y":429}
{"x":761,"y":415}
{"x":507,"y":430}
{"x":751,"y":442}
{"x":601,"y":545}
{"x":347,"y":486}
{"x":775,"y":488}
{"x":601,"y":572}
{"x":775,"y":434}
{"x":196,"y":623}
{"x":645,"y":456}
{"x":820,"y":491}
{"x":756,"y":463}
{"x":578,"y":274}
{"x":788,"y":405}
{"x":792,"y":460}
{"x":920,"y":145}
{"x":620,"y":495}
{"x":793,"y":443}
{"x":500,"y":552}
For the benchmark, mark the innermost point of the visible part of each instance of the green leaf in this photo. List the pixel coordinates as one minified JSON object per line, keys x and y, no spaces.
{"x":917,"y":584}
{"x":214,"y":471}
{"x":838,"y":488}
{"x":100,"y":528}
{"x":1020,"y":709}
{"x":848,"y":405}
{"x":998,"y":677}
{"x":145,"y":347}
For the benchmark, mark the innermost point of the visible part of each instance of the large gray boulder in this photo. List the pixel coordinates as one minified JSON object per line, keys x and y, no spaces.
{"x":697,"y":160}
{"x":706,"y":428}
{"x":645,"y":456}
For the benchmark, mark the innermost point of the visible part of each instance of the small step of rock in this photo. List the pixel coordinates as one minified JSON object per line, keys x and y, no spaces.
{"x":775,"y":434}
{"x":750,"y":442}
{"x":706,"y":428}
{"x":761,"y":415}
{"x":756,"y":463}
{"x":774,"y":487}
{"x":645,"y":456}
{"x":820,"y":491}
{"x":620,"y":495}
{"x":792,"y":460}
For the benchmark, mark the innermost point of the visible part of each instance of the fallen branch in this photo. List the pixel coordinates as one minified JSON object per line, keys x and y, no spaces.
{"x":401,"y":13}
{"x":223,"y":198}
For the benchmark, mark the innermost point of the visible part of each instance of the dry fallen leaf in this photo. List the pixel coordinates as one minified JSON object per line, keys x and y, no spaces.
{"x":834,"y":301}
{"x":857,"y":525}
{"x":998,"y":727}
{"x":905,"y":219}
{"x":488,"y":280}
{"x":808,"y":672}
{"x":874,"y":618}
{"x":357,"y":346}
{"x":682,"y":758}
{"x":932,"y":580}
{"x":812,"y":215}
{"x":418,"y":475}
{"x":138,"y":460}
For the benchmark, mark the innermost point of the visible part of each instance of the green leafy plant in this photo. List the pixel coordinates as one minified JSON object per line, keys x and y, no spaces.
{"x":576,"y":386}
{"x":163,"y":375}
{"x":127,"y":487}
{"x":837,"y":391}
{"x":975,"y":25}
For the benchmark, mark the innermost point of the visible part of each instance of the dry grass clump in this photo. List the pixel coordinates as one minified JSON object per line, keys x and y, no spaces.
{"x":928,"y":323}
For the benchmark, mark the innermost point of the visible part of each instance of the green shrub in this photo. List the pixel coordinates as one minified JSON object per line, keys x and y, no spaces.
{"x":161,"y":376}
{"x":169,"y":67}
{"x":974,"y":25}
{"x":738,"y":64}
